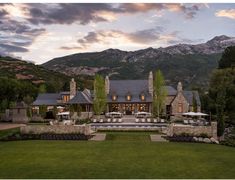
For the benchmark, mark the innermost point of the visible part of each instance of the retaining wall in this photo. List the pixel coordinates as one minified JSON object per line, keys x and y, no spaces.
{"x":178,"y":129}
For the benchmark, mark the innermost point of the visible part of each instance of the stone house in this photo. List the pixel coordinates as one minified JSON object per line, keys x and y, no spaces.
{"x":126,"y":96}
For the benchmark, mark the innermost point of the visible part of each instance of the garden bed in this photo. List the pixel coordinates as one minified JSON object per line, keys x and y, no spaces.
{"x":18,"y":136}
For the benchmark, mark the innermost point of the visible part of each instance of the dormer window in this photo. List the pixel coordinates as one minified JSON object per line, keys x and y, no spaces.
{"x":114,"y":97}
{"x":142,"y":97}
{"x":128,"y":97}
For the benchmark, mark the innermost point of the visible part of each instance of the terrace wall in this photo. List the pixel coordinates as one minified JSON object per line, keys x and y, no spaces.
{"x":177,"y":129}
{"x":56,"y":129}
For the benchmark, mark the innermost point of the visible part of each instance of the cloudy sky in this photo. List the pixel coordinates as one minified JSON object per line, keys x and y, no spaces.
{"x":40,"y":32}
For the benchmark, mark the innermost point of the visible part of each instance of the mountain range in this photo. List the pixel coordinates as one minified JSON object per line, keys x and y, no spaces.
{"x":191,"y":64}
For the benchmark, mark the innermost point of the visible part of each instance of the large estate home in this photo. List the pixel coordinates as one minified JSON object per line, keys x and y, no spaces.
{"x":126,"y":96}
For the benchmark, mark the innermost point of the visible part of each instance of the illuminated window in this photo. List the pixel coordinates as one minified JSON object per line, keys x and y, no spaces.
{"x":142,"y":97}
{"x":128,"y":97}
{"x":114,"y":97}
{"x":65,"y":98}
{"x":180,"y":107}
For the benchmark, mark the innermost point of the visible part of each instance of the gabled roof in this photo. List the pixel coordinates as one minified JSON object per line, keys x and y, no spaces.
{"x":122,"y":87}
{"x":47,"y":99}
{"x":133,"y":87}
{"x":82,"y":97}
{"x":171,"y":91}
{"x":189,"y":97}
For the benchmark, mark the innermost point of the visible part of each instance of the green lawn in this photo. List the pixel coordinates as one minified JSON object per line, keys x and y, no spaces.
{"x":123,"y":155}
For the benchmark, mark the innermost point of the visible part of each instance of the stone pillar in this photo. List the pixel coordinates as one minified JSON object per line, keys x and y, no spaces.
{"x":72,"y":88}
{"x":214,"y":129}
{"x":87,"y":129}
{"x":107,"y":84}
{"x":150,"y":83}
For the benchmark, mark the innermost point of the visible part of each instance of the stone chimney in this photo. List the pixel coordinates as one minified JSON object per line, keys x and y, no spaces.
{"x":179,"y":87}
{"x":150,"y":83}
{"x":72,"y":88}
{"x":107,"y":85}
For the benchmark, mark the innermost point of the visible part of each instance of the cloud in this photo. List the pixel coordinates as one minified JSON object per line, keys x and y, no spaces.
{"x":85,"y":13}
{"x":16,"y":36}
{"x":229,"y":13}
{"x":145,"y":37}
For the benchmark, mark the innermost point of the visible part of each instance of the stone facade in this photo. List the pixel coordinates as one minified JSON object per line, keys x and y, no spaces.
{"x":56,"y":129}
{"x":178,"y":129}
{"x":19,"y":113}
{"x":179,"y":100}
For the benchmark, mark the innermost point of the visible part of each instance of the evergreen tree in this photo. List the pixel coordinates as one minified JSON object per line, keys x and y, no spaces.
{"x":220,"y":107}
{"x":159,"y":94}
{"x":99,"y":103}
{"x":228,"y":58}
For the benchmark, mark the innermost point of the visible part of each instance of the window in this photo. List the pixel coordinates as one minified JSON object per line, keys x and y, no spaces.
{"x":180,"y":107}
{"x":142,"y":97}
{"x":66,"y":98}
{"x":114,"y":97}
{"x":128,"y":97}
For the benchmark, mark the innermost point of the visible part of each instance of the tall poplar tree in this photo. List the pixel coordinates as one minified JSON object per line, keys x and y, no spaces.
{"x":159,"y":94}
{"x":99,"y":103}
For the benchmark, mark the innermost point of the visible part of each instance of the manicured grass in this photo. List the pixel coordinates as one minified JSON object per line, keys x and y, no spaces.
{"x":7,"y":132}
{"x":123,"y":155}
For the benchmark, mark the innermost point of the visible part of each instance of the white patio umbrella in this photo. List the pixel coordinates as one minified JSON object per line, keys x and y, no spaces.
{"x":195,"y":114}
{"x":190,"y":114}
{"x":201,"y":114}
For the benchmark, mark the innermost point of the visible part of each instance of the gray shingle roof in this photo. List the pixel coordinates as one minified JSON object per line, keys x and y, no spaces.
{"x":133,"y":87}
{"x":171,"y":91}
{"x":81,"y":98}
{"x":189,"y":97}
{"x":47,"y":99}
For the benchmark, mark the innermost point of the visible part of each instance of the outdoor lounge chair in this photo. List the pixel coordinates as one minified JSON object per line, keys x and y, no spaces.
{"x":162,"y":120}
{"x":136,"y":120}
{"x":191,"y":122}
{"x":51,"y":123}
{"x":101,"y":120}
{"x":119,"y":120}
{"x":94,"y":120}
{"x":114,"y":120}
{"x":185,"y":121}
{"x":143,"y":120}
{"x":148,"y":120}
{"x":155,"y":120}
{"x":108,"y":120}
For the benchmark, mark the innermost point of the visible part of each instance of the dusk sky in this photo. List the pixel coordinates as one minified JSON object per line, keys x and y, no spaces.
{"x":40,"y":32}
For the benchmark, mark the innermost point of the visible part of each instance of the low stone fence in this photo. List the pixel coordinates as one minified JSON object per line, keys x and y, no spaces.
{"x":178,"y":129}
{"x":56,"y":129}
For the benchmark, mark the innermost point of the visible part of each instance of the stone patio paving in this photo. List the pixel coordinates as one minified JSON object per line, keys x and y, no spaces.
{"x":98,"y":137}
{"x":157,"y":138}
{"x":4,"y":126}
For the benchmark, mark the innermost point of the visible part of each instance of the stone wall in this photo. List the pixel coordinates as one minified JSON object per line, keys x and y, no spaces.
{"x":178,"y":129}
{"x":86,"y":115}
{"x":56,"y":129}
{"x":175,"y":104}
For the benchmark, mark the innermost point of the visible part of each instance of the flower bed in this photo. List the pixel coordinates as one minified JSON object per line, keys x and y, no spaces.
{"x":18,"y":136}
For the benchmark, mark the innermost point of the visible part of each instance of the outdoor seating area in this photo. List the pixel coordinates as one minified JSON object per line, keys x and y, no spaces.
{"x":195,"y":118}
{"x":197,"y":122}
{"x":149,"y":120}
{"x":109,"y":120}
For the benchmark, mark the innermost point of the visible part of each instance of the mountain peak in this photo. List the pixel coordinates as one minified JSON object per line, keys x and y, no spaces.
{"x":219,"y":39}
